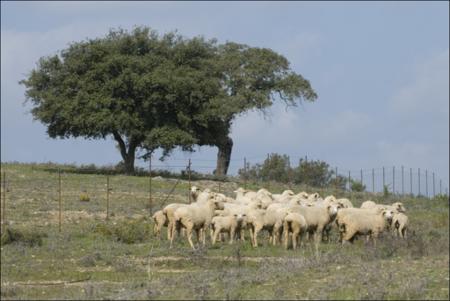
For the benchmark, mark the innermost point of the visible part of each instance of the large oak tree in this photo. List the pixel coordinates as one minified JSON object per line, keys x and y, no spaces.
{"x":149,"y":91}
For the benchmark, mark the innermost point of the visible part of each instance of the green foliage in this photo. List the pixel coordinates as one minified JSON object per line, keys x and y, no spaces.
{"x":357,"y":186}
{"x":313,"y":173}
{"x":441,"y":198}
{"x":277,"y":168}
{"x":339,"y":182}
{"x":126,"y":231}
{"x":150,"y":91}
{"x":84,"y":197}
{"x":386,"y":192}
{"x":27,"y":236}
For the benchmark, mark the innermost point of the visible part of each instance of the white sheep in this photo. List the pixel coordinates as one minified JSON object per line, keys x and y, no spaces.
{"x":317,"y":218}
{"x":160,"y":220}
{"x":195,"y":217}
{"x":230,"y":224}
{"x":400,"y":224}
{"x":169,"y":211}
{"x":370,"y":223}
{"x":259,"y":219}
{"x":283,"y":196}
{"x":397,"y":206}
{"x":294,"y":224}
{"x":345,"y":203}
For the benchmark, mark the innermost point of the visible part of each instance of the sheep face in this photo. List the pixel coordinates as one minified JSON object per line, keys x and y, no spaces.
{"x":388,"y":215}
{"x":303,"y":195}
{"x":333,"y":209}
{"x":241,"y":219}
{"x":399,"y":206}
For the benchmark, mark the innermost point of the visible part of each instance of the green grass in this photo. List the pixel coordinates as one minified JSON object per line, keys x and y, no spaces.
{"x":123,"y":260}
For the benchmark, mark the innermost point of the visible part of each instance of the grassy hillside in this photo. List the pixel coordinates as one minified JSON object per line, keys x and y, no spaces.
{"x":120,"y":258}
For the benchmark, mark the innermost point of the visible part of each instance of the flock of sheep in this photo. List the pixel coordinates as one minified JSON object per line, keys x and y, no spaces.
{"x":287,"y":217}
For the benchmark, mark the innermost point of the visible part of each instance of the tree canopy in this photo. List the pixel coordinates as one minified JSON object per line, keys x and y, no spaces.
{"x":152,"y":91}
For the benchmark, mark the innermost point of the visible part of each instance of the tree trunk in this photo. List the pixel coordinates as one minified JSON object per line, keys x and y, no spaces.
{"x":223,"y":157}
{"x":129,"y":155}
{"x":129,"y":161}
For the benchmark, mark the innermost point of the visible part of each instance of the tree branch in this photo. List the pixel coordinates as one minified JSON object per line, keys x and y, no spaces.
{"x":122,"y":146}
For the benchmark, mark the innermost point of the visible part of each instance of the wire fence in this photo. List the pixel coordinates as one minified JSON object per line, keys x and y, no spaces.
{"x":59,"y":192}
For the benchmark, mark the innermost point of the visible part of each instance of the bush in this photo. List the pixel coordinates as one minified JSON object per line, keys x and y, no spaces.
{"x":126,"y":231}
{"x":357,"y":186}
{"x":29,"y":237}
{"x":84,"y":197}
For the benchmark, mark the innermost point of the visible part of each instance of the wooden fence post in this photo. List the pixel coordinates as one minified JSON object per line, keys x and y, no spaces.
{"x":189,"y":177}
{"x":107,"y":197}
{"x":150,"y":200}
{"x":4,"y":199}
{"x":59,"y":198}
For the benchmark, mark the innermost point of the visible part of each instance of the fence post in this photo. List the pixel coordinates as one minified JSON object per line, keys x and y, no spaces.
{"x":434,"y":187}
{"x":4,"y":199}
{"x":403,"y":182}
{"x":393,"y":179}
{"x":336,"y":178}
{"x":349,"y":185}
{"x":245,"y":173}
{"x":440,"y":186}
{"x":383,"y":179}
{"x":418,"y":172}
{"x":426,"y":182}
{"x":410,"y":181}
{"x":150,"y":200}
{"x":361,"y":177}
{"x":189,"y":176}
{"x":107,"y":197}
{"x":59,"y":198}
{"x":373,"y":180}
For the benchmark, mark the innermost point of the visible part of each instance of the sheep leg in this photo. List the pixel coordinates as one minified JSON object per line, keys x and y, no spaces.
{"x":216,"y":232}
{"x":204,"y":234}
{"x":242,"y":234}
{"x":170,"y":230}
{"x":232,"y":235}
{"x":286,"y":239}
{"x":294,"y":240}
{"x":189,"y":236}
{"x":255,"y":237}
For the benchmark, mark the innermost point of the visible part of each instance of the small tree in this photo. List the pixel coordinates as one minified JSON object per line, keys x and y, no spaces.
{"x":357,"y":186}
{"x":313,"y":173}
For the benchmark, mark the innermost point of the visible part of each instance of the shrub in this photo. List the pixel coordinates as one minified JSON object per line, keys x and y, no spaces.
{"x":29,"y":237}
{"x":84,"y":197}
{"x":357,"y":186}
{"x":126,"y":231}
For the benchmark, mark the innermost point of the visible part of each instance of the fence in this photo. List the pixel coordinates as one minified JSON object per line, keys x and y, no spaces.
{"x":111,"y":194}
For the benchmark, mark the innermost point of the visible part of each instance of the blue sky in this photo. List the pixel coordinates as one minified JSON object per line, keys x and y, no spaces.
{"x":381,"y":70}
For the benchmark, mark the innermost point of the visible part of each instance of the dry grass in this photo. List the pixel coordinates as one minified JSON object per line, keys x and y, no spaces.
{"x":123,"y":260}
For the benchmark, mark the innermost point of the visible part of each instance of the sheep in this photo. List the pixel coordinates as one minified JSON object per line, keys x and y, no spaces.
{"x":345,"y":203}
{"x":314,"y":197}
{"x":230,"y":224}
{"x":284,"y":195}
{"x":295,"y":224}
{"x":397,"y":206}
{"x":169,"y":211}
{"x":195,"y":217}
{"x":317,"y":218}
{"x":370,"y":223}
{"x":400,"y":224}
{"x":259,"y":219}
{"x":160,"y":220}
{"x":195,"y":191}
{"x":368,"y":204}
